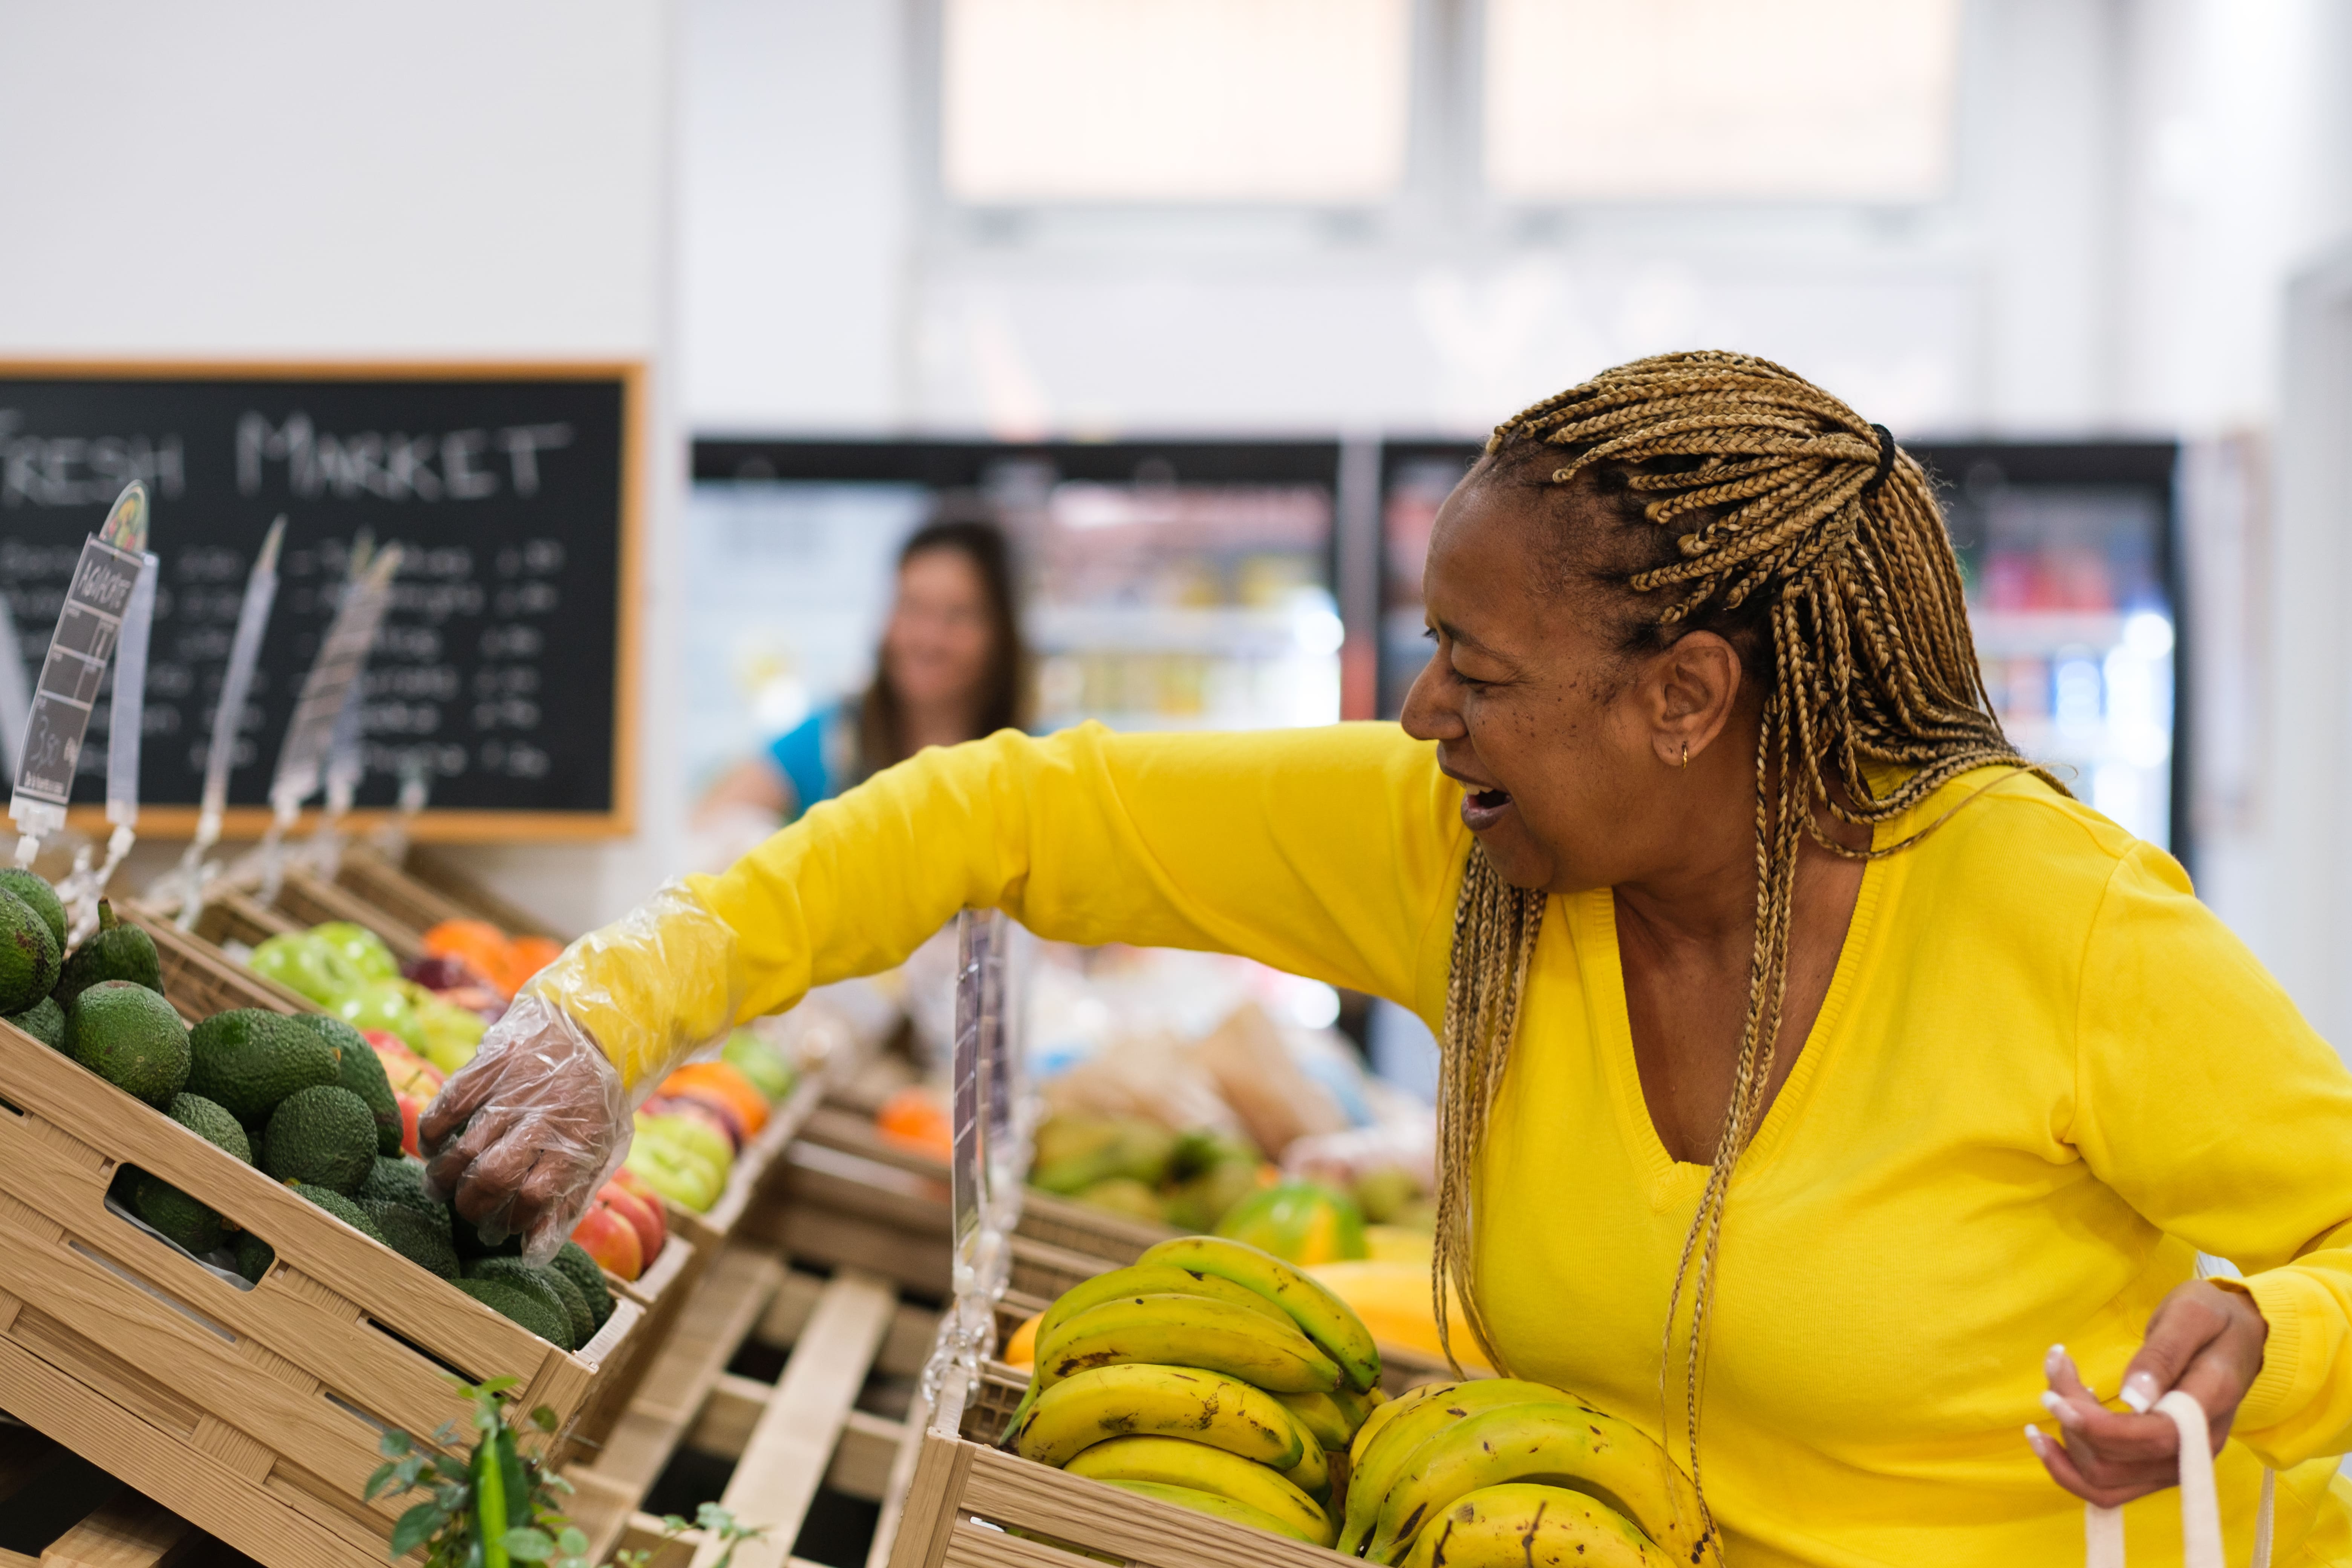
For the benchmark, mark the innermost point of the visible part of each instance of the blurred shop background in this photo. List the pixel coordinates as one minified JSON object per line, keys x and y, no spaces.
{"x":1208,"y":302}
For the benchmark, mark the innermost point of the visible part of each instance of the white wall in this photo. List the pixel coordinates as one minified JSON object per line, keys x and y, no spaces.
{"x":428,"y":179}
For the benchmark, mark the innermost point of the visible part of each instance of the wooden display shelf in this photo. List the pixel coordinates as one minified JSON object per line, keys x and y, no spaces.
{"x":254,"y":1413}
{"x":202,"y":980}
{"x":788,"y":1437}
{"x":433,"y":870}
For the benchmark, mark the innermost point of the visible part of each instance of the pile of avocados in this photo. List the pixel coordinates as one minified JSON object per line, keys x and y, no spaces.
{"x":303,"y":1097}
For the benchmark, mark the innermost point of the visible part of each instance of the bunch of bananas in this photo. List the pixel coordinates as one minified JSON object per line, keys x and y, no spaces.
{"x":1210,"y":1374}
{"x":1501,"y":1472}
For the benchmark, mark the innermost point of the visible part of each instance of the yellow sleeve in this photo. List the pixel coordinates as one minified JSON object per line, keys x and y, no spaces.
{"x":2203,"y":1097}
{"x":1330,"y":852}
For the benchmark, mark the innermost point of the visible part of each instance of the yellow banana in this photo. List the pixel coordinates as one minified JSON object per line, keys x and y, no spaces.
{"x":1382,"y":1414}
{"x":1187,"y":1331}
{"x":1149,"y":1279}
{"x":1092,"y":1407}
{"x":1562,"y":1444}
{"x":1312,"y":1474}
{"x":1321,"y":1315}
{"x":1356,"y":1409}
{"x":1322,"y":1417}
{"x":1383,"y":1453}
{"x":1218,"y":1507}
{"x":1172,"y":1461}
{"x":1523,"y":1526}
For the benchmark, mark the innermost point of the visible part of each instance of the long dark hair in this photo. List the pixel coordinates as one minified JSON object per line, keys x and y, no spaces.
{"x":1004,"y":689}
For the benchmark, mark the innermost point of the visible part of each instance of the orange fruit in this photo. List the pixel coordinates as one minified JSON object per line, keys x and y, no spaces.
{"x":729,"y":1084}
{"x":915,"y":1118}
{"x":1021,"y":1350}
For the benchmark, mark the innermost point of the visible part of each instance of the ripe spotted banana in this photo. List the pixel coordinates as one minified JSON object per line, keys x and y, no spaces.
{"x":1149,"y":1279}
{"x":1322,"y":1417}
{"x":1172,"y":1461}
{"x":1312,"y":1474}
{"x":1561,"y":1445}
{"x":1523,"y":1526}
{"x":1385,"y":1453}
{"x":1218,"y":1507}
{"x":1187,"y":1331}
{"x":1092,"y":1407}
{"x":1381,"y":1415}
{"x":1321,"y":1315}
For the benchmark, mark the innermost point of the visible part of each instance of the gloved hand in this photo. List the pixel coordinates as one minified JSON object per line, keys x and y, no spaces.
{"x":521,"y":1137}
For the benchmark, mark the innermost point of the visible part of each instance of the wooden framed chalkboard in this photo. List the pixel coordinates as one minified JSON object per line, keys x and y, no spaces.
{"x":506,"y":665}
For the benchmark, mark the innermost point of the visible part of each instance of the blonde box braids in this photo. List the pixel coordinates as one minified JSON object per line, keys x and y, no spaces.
{"x":1770,"y":486}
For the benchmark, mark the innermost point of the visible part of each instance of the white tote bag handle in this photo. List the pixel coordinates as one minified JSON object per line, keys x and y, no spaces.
{"x":2200,"y":1505}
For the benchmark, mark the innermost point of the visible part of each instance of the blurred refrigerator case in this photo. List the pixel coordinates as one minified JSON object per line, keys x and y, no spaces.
{"x":1166,"y":584}
{"x":2067,"y":554}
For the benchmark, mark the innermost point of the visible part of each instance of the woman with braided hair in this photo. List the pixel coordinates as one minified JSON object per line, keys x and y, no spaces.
{"x":1823,"y":1088}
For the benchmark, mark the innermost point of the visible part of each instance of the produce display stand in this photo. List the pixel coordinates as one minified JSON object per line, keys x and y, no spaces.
{"x":787,"y":1437}
{"x":252,"y":1412}
{"x":968,"y":1496}
{"x":202,"y":980}
{"x":432,"y":873}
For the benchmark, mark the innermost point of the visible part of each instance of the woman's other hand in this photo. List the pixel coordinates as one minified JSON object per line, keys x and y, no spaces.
{"x":521,"y":1138}
{"x":2204,"y":1340}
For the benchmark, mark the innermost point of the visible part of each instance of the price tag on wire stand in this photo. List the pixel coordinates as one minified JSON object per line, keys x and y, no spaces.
{"x":185,"y":883}
{"x":89,"y":624}
{"x":333,"y":681}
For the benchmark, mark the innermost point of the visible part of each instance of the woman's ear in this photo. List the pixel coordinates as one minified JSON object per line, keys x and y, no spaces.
{"x":1688,"y":695}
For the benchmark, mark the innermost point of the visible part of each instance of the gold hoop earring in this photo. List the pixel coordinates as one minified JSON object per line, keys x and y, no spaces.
{"x":1685,"y":756}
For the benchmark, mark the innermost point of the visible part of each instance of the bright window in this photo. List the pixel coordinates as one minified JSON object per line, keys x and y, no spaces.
{"x":1823,"y":99}
{"x":1173,"y":100}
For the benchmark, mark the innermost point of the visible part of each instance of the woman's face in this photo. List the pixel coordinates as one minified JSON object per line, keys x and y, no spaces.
{"x":936,"y":648}
{"x":1568,"y":749}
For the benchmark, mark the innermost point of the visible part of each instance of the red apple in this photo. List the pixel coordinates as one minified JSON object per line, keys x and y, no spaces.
{"x":408,"y":1072}
{"x":411,"y":1108}
{"x":611,"y":1240}
{"x":644,"y":1218}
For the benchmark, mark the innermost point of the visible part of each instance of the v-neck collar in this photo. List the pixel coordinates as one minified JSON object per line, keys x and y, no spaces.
{"x":1673,"y":1183}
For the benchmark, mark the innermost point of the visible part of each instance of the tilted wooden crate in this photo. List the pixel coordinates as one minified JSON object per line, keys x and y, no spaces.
{"x":252,"y":1412}
{"x":967,"y":1495}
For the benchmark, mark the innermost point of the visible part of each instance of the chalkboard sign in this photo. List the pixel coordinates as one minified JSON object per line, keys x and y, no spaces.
{"x":502,"y":666}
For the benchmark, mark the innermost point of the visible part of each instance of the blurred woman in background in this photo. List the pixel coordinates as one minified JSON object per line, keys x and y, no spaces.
{"x":951,"y":669}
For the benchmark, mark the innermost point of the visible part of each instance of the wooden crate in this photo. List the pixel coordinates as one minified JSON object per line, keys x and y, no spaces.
{"x":74,"y":1516}
{"x":202,"y":980}
{"x":967,"y":1495}
{"x":367,"y":875}
{"x":434,"y":871}
{"x":788,"y":1437}
{"x":252,"y":1412}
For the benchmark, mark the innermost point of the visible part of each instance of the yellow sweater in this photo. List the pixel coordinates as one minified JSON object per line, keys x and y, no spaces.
{"x":2043,"y":1078}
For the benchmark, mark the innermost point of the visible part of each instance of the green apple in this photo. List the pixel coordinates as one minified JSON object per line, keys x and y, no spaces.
{"x":379,"y":1005}
{"x":310,"y":967}
{"x":676,"y":1173}
{"x":358,"y":948}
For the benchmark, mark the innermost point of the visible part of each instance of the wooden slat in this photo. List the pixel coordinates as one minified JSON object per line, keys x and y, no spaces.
{"x":973,"y":1546}
{"x":934,"y":1498}
{"x":792,"y":1446}
{"x":1070,"y":1507}
{"x":732,"y":1295}
{"x":127,"y":1533}
{"x":905,"y":1348}
{"x":861,"y":1462}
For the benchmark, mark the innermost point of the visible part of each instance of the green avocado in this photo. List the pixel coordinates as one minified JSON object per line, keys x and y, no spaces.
{"x":114,"y":951}
{"x":576,"y":1304}
{"x":533,"y":1310}
{"x":251,"y":1059}
{"x":28,"y":954}
{"x":471,"y":1244}
{"x":129,"y":1036}
{"x":36,"y":891}
{"x":413,"y":1236}
{"x":341,"y":1207}
{"x":254,"y":1257}
{"x":572,"y":1261}
{"x":210,"y":1122}
{"x":361,"y":1071}
{"x":180,"y":1217}
{"x":320,"y":1137}
{"x":166,"y":1207}
{"x":402,"y":1181}
{"x":44,"y":1021}
{"x":515,"y":1272}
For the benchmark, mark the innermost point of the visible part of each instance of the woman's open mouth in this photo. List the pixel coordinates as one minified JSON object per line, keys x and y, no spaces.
{"x":1482,"y":808}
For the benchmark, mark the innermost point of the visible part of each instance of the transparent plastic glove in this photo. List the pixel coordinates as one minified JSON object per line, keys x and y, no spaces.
{"x":521,"y":1138}
{"x":653,"y":987}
